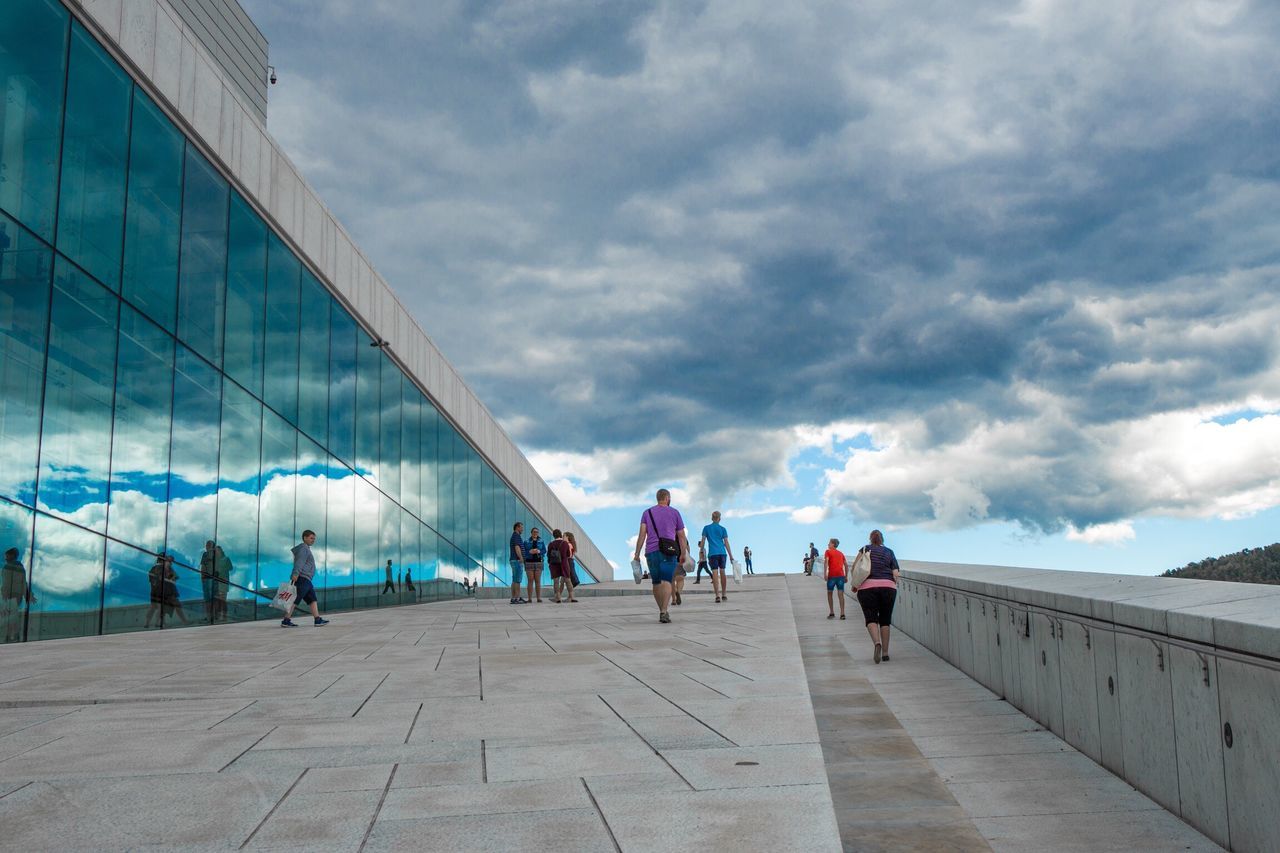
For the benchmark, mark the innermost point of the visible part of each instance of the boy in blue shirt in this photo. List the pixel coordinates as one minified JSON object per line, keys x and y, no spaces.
{"x":716,"y":539}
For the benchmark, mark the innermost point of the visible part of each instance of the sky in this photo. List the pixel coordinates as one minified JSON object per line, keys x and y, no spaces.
{"x":998,"y":278}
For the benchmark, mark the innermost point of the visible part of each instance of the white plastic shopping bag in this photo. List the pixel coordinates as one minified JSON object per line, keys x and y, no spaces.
{"x":737,"y":571}
{"x":635,"y":570}
{"x":286,"y":597}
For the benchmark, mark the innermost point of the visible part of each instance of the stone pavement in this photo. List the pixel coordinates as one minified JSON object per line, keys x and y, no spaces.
{"x":475,"y":725}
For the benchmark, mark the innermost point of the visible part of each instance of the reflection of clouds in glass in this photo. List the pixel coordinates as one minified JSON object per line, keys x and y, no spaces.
{"x":67,"y":560}
{"x":266,"y":525}
{"x":92,"y":515}
{"x":195,"y":452}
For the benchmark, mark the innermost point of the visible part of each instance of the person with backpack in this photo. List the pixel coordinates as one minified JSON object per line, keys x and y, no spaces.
{"x":662,"y":536}
{"x":559,"y":559}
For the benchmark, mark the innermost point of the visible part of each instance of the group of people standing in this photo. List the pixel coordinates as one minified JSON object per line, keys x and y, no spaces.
{"x":527,"y":558}
{"x":876,"y":594}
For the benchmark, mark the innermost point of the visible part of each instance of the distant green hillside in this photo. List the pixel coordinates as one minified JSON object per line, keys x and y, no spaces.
{"x":1252,"y":565}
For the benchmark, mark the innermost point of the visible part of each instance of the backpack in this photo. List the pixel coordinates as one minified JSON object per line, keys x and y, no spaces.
{"x":553,"y":555}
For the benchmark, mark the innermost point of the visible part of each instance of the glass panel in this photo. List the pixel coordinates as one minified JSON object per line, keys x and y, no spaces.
{"x":33,"y":56}
{"x":66,"y":578}
{"x":444,"y":480}
{"x":202,"y":280}
{"x":388,"y":549}
{"x":340,"y":545}
{"x":410,"y":557}
{"x":95,"y":151}
{"x":458,"y":521}
{"x":277,"y":532}
{"x":128,"y":602}
{"x":311,"y":505}
{"x":15,"y":579}
{"x":411,"y":448}
{"x":475,"y":500}
{"x":313,"y":360}
{"x":75,"y":447}
{"x":313,"y":470}
{"x":246,"y":296}
{"x":153,"y":222}
{"x":428,"y":471}
{"x":236,"y":548}
{"x":368,"y":579}
{"x":25,"y":267}
{"x":389,"y":455}
{"x":193,"y":463}
{"x":281,"y":384}
{"x":368,"y":384}
{"x":139,"y":451}
{"x":342,"y":384}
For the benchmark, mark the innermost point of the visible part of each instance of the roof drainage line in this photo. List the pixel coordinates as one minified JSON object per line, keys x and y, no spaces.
{"x":1225,"y":652}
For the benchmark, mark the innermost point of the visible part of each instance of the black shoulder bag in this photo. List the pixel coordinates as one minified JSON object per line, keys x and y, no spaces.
{"x":666,"y":547}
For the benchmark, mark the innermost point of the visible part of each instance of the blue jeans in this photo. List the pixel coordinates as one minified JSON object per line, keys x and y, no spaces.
{"x":517,"y":571}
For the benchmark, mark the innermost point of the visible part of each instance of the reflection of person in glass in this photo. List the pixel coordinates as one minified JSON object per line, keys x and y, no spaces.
{"x":221,"y":580}
{"x":408,"y":579}
{"x":207,"y":560}
{"x":172,"y":602}
{"x":390,"y":585}
{"x":14,"y":589}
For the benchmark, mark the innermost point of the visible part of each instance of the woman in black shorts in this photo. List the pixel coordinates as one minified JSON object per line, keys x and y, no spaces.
{"x":878,"y":592}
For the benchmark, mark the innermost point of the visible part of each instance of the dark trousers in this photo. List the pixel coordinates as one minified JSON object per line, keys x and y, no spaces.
{"x":389,"y":587}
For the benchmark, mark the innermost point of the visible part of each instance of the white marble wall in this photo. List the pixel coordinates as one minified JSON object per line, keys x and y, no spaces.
{"x":180,"y":73}
{"x":1142,"y":674}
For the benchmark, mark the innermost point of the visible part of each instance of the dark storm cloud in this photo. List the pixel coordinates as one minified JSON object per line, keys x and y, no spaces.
{"x":686,"y":218}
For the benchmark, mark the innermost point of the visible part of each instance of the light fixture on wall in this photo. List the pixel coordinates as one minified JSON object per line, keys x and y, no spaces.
{"x":271,"y":74}
{"x":380,"y":344}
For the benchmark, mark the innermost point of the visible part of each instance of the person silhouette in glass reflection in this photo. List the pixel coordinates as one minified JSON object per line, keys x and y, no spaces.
{"x":155,"y":578}
{"x":207,"y":561}
{"x":14,"y":590}
{"x":390,"y":585}
{"x":222,"y":569}
{"x":408,"y":579}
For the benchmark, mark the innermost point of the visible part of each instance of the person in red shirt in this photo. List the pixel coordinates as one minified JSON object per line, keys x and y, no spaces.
{"x":835,"y":577}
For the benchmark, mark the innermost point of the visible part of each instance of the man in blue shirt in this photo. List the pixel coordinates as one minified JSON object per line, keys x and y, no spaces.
{"x":717,"y":542}
{"x":517,"y":562}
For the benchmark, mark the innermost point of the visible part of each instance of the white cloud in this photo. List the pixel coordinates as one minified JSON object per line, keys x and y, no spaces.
{"x":810,"y":514}
{"x":1112,"y":533}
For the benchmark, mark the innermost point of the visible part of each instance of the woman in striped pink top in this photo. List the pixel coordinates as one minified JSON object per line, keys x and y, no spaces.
{"x":878,"y":592}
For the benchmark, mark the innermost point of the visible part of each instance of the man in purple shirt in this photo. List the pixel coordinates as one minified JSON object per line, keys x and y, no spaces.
{"x":665,"y":544}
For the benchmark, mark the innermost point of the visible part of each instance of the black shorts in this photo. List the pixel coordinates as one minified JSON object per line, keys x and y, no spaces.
{"x":877,"y":605}
{"x":716,"y":561}
{"x":306,"y":590}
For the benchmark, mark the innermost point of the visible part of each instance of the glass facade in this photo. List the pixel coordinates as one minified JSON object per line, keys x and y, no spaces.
{"x":180,"y":396}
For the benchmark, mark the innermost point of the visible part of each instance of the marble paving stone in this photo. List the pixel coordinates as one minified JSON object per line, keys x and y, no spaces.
{"x":515,"y":763}
{"x":336,"y":821}
{"x":127,"y":754}
{"x":329,"y":780}
{"x":681,"y":732}
{"x":1046,"y":765}
{"x":782,"y":818}
{"x":1049,"y":796}
{"x":1138,"y":832}
{"x":564,"y":831}
{"x":490,"y":798}
{"x":749,"y":767}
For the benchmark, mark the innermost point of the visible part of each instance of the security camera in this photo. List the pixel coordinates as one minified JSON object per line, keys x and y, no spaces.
{"x":272,"y":78}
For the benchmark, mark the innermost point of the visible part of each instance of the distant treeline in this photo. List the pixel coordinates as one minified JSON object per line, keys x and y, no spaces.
{"x":1252,"y":565}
